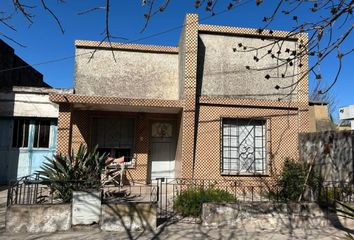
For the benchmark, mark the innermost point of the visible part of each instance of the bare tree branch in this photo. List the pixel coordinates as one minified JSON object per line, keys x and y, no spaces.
{"x":24,"y":9}
{"x":53,"y":15}
{"x":11,"y":39}
{"x":91,"y":10}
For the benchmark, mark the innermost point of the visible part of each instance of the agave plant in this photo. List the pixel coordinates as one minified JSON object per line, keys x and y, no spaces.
{"x":348,"y":212}
{"x":80,"y":171}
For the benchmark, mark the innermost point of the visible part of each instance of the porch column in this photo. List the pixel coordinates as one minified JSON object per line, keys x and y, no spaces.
{"x":64,"y":129}
{"x":190,"y":82}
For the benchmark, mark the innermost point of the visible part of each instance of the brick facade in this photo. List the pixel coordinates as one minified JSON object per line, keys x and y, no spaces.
{"x":198,"y":117}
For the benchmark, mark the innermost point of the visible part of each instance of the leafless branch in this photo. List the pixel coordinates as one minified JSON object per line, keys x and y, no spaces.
{"x":147,"y":15}
{"x":4,"y":20}
{"x":317,"y":30}
{"x":332,"y":25}
{"x":107,"y":35}
{"x":11,"y":39}
{"x":24,"y":9}
{"x":44,"y":5}
{"x":91,"y":10}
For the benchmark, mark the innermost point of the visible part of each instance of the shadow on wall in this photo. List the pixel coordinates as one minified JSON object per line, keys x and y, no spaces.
{"x":9,"y":156}
{"x":331,"y":152}
{"x":134,"y":220}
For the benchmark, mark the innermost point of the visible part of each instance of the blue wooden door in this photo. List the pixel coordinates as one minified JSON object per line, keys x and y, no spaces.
{"x":23,"y":153}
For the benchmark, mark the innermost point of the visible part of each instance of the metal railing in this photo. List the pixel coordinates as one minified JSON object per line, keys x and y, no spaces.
{"x":33,"y":190}
{"x":131,"y":193}
{"x":247,"y":191}
{"x":27,"y":190}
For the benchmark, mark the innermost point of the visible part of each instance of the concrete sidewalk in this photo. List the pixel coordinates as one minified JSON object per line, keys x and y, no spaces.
{"x":3,"y":199}
{"x":184,"y":230}
{"x":175,"y":230}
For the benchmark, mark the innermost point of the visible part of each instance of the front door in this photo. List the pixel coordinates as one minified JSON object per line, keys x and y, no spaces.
{"x":162,"y":149}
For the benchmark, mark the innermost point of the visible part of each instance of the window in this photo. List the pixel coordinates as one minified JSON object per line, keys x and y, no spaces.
{"x":20,"y":133}
{"x":243,"y":146}
{"x":41,"y":134}
{"x":115,"y":136}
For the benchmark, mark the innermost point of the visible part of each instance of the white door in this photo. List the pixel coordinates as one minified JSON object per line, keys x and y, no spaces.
{"x":162,"y":150}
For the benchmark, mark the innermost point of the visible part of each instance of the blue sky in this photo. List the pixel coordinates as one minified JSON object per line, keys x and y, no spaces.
{"x":45,"y":42}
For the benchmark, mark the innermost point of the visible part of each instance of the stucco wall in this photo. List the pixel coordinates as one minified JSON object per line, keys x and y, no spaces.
{"x":271,"y":216}
{"x":224,"y":74}
{"x":319,"y":118}
{"x":38,"y":218}
{"x":27,"y":104}
{"x":181,"y":62}
{"x":331,"y":152}
{"x":51,"y":218}
{"x":128,"y":216}
{"x":134,"y":74}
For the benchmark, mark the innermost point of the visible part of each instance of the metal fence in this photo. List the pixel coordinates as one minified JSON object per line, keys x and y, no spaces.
{"x":27,"y":190}
{"x":246,"y":191}
{"x":33,"y":190}
{"x":165,"y":192}
{"x":130,"y":193}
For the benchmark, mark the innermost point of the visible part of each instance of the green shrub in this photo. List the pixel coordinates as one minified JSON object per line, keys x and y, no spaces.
{"x":65,"y":174}
{"x":329,"y":195}
{"x":292,"y":180}
{"x":190,"y":201}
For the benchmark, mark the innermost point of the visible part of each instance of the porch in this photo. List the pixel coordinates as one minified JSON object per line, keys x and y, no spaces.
{"x":146,"y":132}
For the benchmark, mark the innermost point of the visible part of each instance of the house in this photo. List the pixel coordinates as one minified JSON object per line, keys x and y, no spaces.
{"x":21,"y":74}
{"x":347,"y":114}
{"x":319,"y":117}
{"x":196,"y":110}
{"x":28,"y":120}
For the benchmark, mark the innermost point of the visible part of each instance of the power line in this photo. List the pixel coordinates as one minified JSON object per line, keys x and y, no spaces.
{"x":128,"y":42}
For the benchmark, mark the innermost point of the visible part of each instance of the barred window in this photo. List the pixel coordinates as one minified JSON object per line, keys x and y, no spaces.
{"x":243,"y":146}
{"x":41,"y":133}
{"x":20,"y":133}
{"x":115,"y":136}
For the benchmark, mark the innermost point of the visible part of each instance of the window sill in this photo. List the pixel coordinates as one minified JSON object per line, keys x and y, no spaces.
{"x":238,"y":174}
{"x":129,"y":166}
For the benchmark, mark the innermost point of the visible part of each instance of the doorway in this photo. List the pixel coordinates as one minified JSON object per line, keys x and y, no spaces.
{"x":162,"y":149}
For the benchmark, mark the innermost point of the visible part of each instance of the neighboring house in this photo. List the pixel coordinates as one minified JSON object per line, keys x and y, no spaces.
{"x":346,"y":114}
{"x":187,"y":111}
{"x":21,"y":74}
{"x":344,"y":126}
{"x":28,"y":120}
{"x":319,"y":117}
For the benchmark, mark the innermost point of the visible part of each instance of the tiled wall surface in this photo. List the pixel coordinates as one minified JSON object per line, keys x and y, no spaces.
{"x":198,"y":145}
{"x":82,"y":132}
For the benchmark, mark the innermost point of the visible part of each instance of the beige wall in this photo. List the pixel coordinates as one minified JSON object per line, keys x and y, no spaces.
{"x":281,"y":138}
{"x":134,"y":74}
{"x":82,"y":133}
{"x":206,"y":67}
{"x":224,"y":74}
{"x":29,"y":102}
{"x":319,"y":118}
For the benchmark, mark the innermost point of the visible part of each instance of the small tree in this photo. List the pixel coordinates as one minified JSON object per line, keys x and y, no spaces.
{"x":82,"y":171}
{"x":292,"y":180}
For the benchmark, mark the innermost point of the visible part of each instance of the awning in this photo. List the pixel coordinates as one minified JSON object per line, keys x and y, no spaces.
{"x":104,"y":103}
